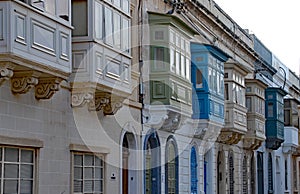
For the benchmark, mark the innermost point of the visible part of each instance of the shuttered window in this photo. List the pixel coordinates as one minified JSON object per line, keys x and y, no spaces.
{"x":245,"y":177}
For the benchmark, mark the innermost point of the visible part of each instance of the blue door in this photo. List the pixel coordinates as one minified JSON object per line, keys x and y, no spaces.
{"x":152,"y":164}
{"x":194,"y":178}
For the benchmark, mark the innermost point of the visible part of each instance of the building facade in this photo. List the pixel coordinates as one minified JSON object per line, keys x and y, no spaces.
{"x":131,"y":97}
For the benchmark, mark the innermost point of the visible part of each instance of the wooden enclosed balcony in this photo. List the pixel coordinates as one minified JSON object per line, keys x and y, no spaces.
{"x":35,"y":46}
{"x":255,"y":102}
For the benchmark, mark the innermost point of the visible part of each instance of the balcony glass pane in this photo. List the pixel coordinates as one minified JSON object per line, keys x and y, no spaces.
{"x":108,"y":26}
{"x":98,"y":20}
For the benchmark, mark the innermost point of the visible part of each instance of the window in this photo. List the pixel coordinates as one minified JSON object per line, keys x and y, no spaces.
{"x":18,"y":172}
{"x":199,"y":79}
{"x":79,"y":21}
{"x":159,"y":58}
{"x":177,"y":63}
{"x":117,"y":28}
{"x":270,"y":109}
{"x":88,"y":173}
{"x":172,"y":60}
{"x":108,"y":26}
{"x":226,"y":92}
{"x":98,"y":20}
{"x":270,"y":174}
{"x":245,"y":176}
{"x":188,"y":65}
{"x":249,"y":104}
{"x":125,"y":35}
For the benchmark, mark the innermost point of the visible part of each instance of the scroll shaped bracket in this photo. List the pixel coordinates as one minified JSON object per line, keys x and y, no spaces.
{"x":106,"y":102}
{"x":230,"y":138}
{"x":98,"y":103}
{"x":5,"y":74}
{"x":78,"y":99}
{"x":22,"y":82}
{"x":46,"y":88}
{"x":251,"y":143}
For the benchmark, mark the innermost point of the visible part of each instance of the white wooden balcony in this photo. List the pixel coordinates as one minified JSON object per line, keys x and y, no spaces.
{"x":35,"y":46}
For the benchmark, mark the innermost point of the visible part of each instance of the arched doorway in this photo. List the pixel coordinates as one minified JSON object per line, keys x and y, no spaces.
{"x":129,"y":163}
{"x":220,"y":173}
{"x":193,"y":171}
{"x":152,"y":180}
{"x":171,"y":166}
{"x":260,"y":173}
{"x":231,"y":172}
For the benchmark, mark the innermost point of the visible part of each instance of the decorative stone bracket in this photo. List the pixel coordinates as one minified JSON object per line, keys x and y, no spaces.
{"x":228,"y":137}
{"x":164,"y":120}
{"x":5,"y":74}
{"x":251,"y":143}
{"x":23,"y":81}
{"x":172,"y":121}
{"x":104,"y":101}
{"x":46,"y":87}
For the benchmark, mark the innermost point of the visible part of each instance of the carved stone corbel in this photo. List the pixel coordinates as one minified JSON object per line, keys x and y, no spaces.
{"x":98,"y":103}
{"x":78,"y":99}
{"x":229,"y":137}
{"x":5,"y":74}
{"x":251,"y":143}
{"x":46,"y":88}
{"x":115,"y":103}
{"x":23,"y":81}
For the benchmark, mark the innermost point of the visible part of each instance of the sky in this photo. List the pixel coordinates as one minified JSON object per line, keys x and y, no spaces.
{"x":275,"y":22}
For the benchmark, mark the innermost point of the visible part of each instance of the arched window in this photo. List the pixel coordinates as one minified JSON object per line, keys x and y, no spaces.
{"x":270,"y":173}
{"x":245,"y":176}
{"x":260,"y":173}
{"x":231,"y":173}
{"x":194,"y":177}
{"x":171,"y":167}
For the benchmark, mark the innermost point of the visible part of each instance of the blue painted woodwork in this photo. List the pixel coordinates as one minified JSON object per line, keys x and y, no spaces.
{"x":154,"y":174}
{"x":274,"y":108}
{"x":208,"y":90}
{"x":194,"y":178}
